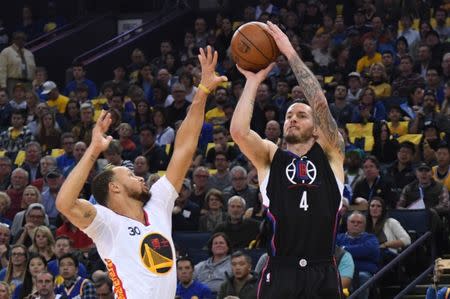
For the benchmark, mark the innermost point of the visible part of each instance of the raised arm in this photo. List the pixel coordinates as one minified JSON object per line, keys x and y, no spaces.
{"x":187,"y":137}
{"x":79,"y":211}
{"x":256,"y":149}
{"x":329,"y":136}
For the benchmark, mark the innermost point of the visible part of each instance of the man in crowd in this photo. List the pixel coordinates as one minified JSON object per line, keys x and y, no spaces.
{"x":188,"y":287}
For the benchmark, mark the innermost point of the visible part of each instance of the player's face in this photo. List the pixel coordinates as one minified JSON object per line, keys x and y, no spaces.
{"x":185,"y":271}
{"x":134,"y":185}
{"x":299,"y":124}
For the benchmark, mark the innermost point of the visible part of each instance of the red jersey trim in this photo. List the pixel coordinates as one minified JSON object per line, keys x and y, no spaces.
{"x":117,"y":282}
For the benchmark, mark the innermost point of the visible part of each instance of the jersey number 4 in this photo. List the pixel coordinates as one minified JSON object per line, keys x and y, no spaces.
{"x":304,"y":201}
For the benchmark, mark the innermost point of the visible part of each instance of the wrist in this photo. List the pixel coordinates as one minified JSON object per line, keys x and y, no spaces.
{"x":205,"y":88}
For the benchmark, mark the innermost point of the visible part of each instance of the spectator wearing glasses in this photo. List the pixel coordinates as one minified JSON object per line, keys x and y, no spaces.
{"x":34,"y":217}
{"x":239,"y":186}
{"x":214,"y":214}
{"x":14,"y":273}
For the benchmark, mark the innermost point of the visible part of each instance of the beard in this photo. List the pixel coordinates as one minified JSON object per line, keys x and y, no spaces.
{"x":142,"y":196}
{"x":302,"y":137}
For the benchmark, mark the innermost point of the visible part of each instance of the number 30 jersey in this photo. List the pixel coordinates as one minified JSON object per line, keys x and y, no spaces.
{"x":303,"y":197}
{"x":140,"y":258}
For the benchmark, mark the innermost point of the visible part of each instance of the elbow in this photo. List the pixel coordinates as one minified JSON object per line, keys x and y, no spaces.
{"x":237,"y":132}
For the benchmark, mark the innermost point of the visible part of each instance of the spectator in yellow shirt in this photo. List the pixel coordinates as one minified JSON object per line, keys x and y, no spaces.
{"x":378,"y":81}
{"x":54,"y":98}
{"x":372,"y":56}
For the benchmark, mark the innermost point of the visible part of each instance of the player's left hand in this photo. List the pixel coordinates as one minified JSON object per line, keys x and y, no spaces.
{"x":208,"y":61}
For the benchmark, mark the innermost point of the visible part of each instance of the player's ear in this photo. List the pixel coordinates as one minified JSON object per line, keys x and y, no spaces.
{"x":114,"y":187}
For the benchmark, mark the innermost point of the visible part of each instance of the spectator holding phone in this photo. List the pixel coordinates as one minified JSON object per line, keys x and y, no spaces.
{"x":432,"y":291}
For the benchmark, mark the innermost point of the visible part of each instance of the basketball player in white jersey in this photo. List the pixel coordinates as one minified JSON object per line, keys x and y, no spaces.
{"x":131,"y":226}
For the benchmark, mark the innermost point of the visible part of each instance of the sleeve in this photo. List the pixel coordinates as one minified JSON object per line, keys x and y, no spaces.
{"x":101,"y":230}
{"x":3,"y":68}
{"x":163,"y":195}
{"x":399,"y":232}
{"x":222,"y":291}
{"x":346,"y":266}
{"x":88,"y":290}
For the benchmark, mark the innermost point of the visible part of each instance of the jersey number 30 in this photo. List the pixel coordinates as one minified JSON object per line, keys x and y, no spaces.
{"x":304,"y":202}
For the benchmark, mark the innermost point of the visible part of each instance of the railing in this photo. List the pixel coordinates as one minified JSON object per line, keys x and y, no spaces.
{"x":127,"y":37}
{"x":414,"y":282}
{"x":393,"y":263}
{"x":48,"y":38}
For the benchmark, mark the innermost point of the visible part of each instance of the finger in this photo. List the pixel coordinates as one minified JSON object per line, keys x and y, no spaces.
{"x":223,"y":78}
{"x":209,"y":56}
{"x":102,"y":115}
{"x":215,"y":57}
{"x":241,"y":70}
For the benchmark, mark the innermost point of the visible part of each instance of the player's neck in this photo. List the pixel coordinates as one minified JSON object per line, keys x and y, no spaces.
{"x":301,"y":149}
{"x":130,"y":208}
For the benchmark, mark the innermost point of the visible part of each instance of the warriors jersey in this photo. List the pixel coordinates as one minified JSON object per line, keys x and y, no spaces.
{"x":303,"y":197}
{"x":140,"y":258}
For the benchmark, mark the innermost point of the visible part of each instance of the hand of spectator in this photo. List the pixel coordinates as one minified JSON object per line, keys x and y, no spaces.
{"x":100,"y":142}
{"x":281,"y":39}
{"x":3,"y":250}
{"x":176,"y":210}
{"x":208,"y":61}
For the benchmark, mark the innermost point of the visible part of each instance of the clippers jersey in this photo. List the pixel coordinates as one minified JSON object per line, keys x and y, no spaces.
{"x":303,"y":198}
{"x":140,"y":258}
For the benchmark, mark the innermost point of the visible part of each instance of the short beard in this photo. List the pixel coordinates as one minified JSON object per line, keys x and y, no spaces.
{"x":302,"y":138}
{"x":142,"y":196}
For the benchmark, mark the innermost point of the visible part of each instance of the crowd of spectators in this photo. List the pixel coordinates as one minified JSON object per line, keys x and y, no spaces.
{"x":386,"y":76}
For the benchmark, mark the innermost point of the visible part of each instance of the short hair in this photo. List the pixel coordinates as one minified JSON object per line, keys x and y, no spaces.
{"x":220,"y":130}
{"x":354,"y":213}
{"x":5,"y":197}
{"x":70,"y":256}
{"x":100,"y":186}
{"x":104,"y":279}
{"x":7,"y":160}
{"x":408,"y":57}
{"x":372,"y":159}
{"x":21,"y":170}
{"x":214,"y":192}
{"x":35,"y":144}
{"x":408,"y":145}
{"x":114,"y":147}
{"x":64,"y":237}
{"x":218,"y":234}
{"x":238,"y":168}
{"x":185,"y":259}
{"x":21,"y":112}
{"x":78,"y":64}
{"x":237,"y":198}
{"x":443,"y":145}
{"x":148,"y":127}
{"x":66,"y":135}
{"x":239,"y":253}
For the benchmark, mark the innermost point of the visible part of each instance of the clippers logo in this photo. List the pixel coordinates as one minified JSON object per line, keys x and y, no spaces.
{"x":156,"y":253}
{"x":301,"y":171}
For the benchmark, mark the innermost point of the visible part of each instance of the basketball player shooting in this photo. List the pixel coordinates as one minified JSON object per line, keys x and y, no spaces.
{"x":131,"y":225}
{"x":301,"y":186}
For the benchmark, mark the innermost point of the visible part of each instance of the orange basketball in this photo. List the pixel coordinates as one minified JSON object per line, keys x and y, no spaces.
{"x":252,"y":47}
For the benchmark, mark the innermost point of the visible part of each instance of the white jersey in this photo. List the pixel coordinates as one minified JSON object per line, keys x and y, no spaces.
{"x":140,"y":258}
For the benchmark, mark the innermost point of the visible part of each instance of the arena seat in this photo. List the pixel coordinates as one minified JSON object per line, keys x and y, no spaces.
{"x":414,"y":221}
{"x":191,"y":240}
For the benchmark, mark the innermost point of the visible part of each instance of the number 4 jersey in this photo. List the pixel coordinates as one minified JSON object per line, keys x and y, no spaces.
{"x":303,"y":196}
{"x":140,"y":258}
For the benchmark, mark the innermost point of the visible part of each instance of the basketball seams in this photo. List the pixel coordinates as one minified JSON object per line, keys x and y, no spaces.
{"x":262,"y":54}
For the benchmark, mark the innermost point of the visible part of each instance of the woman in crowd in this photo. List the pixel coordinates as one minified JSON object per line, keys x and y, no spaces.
{"x":43,"y":243}
{"x":164,"y":133}
{"x":5,"y":203}
{"x":378,"y":81}
{"x":213,"y":271}
{"x":5,"y":292}
{"x":30,"y":195}
{"x":389,"y":232}
{"x":48,"y":133}
{"x":36,"y":264}
{"x":384,"y":148}
{"x":214,"y":212}
{"x":71,"y":117}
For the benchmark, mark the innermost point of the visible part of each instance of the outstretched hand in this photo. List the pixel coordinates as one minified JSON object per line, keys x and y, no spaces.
{"x":99,"y":140}
{"x":208,"y":62}
{"x":259,"y":76}
{"x":280,"y":38}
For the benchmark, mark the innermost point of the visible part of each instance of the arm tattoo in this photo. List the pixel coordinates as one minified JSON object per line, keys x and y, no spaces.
{"x":316,"y":99}
{"x":87,"y":214}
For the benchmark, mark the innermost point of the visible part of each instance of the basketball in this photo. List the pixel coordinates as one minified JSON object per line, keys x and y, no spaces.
{"x":252,"y":47}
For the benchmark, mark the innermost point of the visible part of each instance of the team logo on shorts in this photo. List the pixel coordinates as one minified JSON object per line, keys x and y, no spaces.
{"x":301,"y":171}
{"x":156,"y":253}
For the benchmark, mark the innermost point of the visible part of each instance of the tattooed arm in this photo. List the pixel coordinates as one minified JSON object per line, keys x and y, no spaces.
{"x":79,"y":211}
{"x":329,"y":136}
{"x":257,"y":150}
